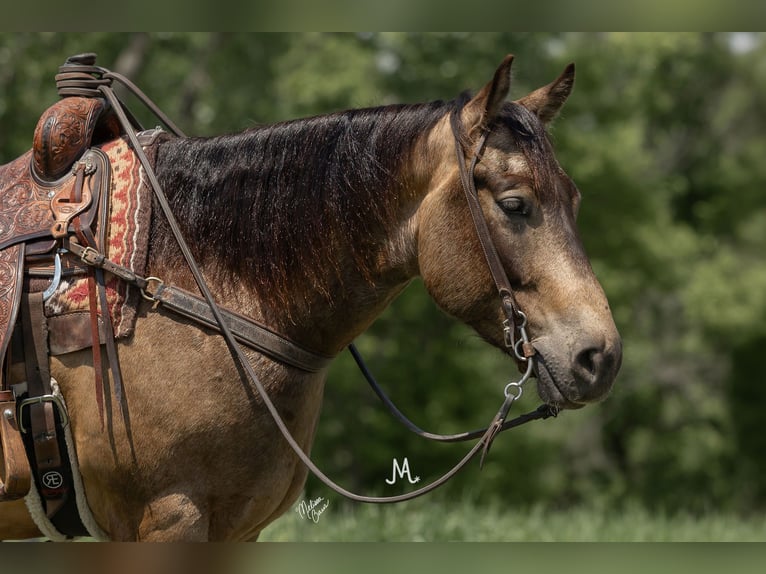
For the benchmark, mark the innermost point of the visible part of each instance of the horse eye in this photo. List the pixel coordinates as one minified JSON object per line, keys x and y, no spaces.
{"x":514,"y":206}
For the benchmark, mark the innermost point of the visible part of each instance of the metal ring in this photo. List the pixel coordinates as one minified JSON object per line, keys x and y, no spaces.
{"x":520,"y":355}
{"x":515,"y":385}
{"x":146,"y":295}
{"x":524,"y":378}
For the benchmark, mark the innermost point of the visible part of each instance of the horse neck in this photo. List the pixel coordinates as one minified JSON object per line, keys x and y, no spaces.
{"x":319,"y":280}
{"x":329,"y":321}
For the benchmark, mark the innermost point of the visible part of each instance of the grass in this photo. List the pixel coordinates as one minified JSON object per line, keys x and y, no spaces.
{"x":427,"y":520}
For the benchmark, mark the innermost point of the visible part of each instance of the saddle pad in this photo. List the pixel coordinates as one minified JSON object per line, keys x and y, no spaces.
{"x":126,"y":243}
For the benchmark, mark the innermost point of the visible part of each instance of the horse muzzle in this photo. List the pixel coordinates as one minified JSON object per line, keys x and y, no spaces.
{"x":584,"y":373}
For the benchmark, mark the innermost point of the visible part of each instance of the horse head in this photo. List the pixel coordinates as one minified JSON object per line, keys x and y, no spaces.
{"x":530,"y":206}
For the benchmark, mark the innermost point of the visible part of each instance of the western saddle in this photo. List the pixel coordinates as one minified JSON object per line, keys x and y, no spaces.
{"x":54,"y":219}
{"x":56,"y":192}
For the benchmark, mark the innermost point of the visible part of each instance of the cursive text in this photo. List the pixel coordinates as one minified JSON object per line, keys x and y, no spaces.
{"x":312,"y":509}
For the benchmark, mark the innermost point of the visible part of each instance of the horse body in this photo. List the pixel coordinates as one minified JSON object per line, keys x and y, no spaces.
{"x":312,"y":227}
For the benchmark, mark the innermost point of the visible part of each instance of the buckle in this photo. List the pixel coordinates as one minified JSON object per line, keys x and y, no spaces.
{"x":43,"y":399}
{"x":91,"y":257}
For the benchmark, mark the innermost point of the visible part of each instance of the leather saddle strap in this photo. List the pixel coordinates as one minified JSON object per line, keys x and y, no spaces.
{"x":42,"y":416}
{"x":97,"y":282}
{"x":80,"y":230}
{"x":17,"y":476}
{"x":111,"y":346}
{"x":246,"y":331}
{"x":96,"y":345}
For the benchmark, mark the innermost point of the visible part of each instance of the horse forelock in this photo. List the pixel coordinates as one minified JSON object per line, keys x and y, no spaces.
{"x":271,"y":205}
{"x":533,"y":141}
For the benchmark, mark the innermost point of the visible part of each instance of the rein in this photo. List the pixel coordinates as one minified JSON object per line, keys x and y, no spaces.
{"x":95,"y":81}
{"x":544,"y":411}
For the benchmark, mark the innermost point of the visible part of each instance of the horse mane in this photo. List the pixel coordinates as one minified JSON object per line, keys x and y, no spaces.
{"x":270,"y":204}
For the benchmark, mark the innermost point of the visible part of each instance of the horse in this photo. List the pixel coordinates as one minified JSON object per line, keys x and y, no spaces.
{"x":312,"y":227}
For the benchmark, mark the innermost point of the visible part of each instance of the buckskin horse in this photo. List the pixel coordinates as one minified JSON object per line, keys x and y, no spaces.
{"x":312,"y":227}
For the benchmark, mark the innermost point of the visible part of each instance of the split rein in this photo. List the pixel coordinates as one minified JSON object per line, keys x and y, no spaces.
{"x":94,"y":81}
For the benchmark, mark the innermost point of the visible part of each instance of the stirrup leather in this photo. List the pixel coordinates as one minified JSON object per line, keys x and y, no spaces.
{"x":16,"y":474}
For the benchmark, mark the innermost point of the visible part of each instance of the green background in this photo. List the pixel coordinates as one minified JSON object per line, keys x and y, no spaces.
{"x":664,"y":135}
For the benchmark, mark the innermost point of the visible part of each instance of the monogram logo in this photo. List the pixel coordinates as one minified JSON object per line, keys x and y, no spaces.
{"x":52,"y":479}
{"x":401,"y":471}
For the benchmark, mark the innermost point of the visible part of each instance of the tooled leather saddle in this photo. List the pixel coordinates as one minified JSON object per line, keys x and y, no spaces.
{"x":58,"y":189}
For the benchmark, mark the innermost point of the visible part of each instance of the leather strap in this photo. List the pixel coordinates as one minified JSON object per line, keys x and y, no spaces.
{"x":17,"y":475}
{"x":48,"y":460}
{"x":496,"y":269}
{"x":542,"y":412}
{"x":84,"y":234}
{"x":94,"y":258}
{"x":245,"y":330}
{"x":99,"y":282}
{"x":95,"y":345}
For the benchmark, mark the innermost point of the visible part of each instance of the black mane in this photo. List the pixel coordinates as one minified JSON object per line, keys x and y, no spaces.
{"x":269,"y":203}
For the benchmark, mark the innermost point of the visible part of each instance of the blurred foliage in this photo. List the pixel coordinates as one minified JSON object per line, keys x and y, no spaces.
{"x":665,"y":136}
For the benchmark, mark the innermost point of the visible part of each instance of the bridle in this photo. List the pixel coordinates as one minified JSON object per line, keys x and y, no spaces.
{"x":515,"y":320}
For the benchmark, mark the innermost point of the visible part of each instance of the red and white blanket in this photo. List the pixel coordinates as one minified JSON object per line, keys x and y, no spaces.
{"x":127,"y":242}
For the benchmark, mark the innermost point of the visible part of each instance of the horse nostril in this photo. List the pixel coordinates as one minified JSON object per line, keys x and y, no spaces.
{"x":595,"y":367}
{"x":589,"y":361}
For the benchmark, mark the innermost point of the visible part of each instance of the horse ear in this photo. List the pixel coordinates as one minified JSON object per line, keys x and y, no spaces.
{"x":546,"y":102}
{"x":485,"y":105}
